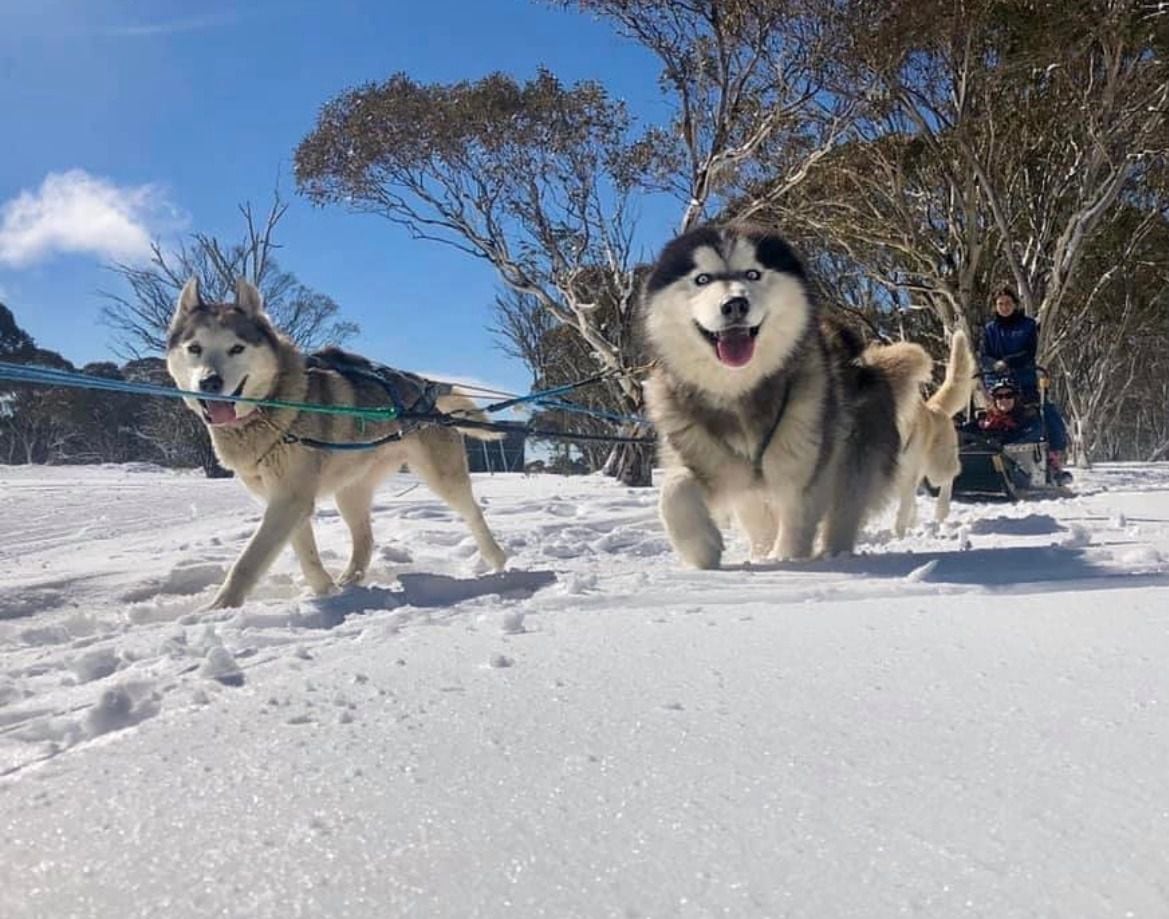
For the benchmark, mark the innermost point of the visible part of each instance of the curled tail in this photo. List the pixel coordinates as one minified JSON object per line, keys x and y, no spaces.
{"x":954,"y":393}
{"x":905,"y":366}
{"x":460,"y":405}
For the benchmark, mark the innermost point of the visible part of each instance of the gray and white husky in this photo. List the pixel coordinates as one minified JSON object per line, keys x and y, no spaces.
{"x":763,"y":410}
{"x":233,"y":349}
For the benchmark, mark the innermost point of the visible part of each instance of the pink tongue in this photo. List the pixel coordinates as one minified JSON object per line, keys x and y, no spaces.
{"x":735,"y":348}
{"x":221,"y":412}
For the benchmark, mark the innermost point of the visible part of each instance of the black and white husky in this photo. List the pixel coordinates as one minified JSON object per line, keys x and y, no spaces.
{"x":765,"y":411}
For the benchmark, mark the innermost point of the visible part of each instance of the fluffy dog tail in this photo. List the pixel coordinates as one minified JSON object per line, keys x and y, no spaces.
{"x":954,"y":393}
{"x":906,"y":366}
{"x":459,"y":404}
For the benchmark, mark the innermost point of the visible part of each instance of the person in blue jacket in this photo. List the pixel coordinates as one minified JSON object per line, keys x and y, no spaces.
{"x":1009,"y":344}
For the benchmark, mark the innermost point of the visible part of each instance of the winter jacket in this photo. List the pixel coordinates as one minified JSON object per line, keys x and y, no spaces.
{"x":1013,"y":340}
{"x":1001,"y":422}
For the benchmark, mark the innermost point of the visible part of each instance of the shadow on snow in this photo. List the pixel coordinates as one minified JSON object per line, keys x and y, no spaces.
{"x":426,"y":591}
{"x":995,"y":568}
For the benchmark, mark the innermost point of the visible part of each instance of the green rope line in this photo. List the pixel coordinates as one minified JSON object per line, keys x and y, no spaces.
{"x":47,"y":376}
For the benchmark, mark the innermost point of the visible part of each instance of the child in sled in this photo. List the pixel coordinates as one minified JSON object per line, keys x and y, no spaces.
{"x":1006,"y":420}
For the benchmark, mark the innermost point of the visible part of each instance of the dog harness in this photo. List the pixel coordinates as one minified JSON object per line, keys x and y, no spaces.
{"x":422,"y":410}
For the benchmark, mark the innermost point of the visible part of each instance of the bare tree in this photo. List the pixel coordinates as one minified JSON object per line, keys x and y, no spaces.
{"x":537,"y":178}
{"x":533,"y":178}
{"x":748,"y":81}
{"x":994,"y":139}
{"x":557,"y":356}
{"x":37,"y":424}
{"x":139,"y":317}
{"x":14,"y":341}
{"x":1114,"y":345}
{"x":1006,"y":142}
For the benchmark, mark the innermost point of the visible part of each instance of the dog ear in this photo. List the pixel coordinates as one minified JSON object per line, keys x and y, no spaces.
{"x":189,"y":298}
{"x":247,"y":298}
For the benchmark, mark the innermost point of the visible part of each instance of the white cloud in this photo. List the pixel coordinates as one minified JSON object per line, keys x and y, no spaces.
{"x":171,"y":27}
{"x":75,"y":212}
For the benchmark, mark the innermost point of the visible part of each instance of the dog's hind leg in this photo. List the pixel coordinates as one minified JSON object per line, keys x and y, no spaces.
{"x":689,"y":525}
{"x":842,"y":527}
{"x":438,"y":456}
{"x":907,"y":505}
{"x":282,"y":517}
{"x":847,"y":510}
{"x":305,"y":546}
{"x":942,"y":508}
{"x":945,"y":467}
{"x":353,"y":501}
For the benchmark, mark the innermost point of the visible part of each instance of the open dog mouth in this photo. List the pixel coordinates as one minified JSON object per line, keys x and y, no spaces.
{"x":218,"y":412}
{"x":733,"y":346}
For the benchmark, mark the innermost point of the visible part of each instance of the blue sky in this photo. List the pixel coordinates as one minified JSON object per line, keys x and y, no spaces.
{"x":171,"y":113}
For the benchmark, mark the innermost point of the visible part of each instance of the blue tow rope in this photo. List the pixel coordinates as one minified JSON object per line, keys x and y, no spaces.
{"x":47,"y":376}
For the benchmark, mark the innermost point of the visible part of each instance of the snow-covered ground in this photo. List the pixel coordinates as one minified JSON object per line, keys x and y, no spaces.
{"x":971,"y":721}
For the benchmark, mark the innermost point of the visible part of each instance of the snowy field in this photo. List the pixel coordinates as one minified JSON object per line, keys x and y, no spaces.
{"x":973,"y":721}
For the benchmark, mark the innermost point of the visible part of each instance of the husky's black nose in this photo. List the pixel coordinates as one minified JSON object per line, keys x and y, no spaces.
{"x":212,"y":383}
{"x":736,"y":308}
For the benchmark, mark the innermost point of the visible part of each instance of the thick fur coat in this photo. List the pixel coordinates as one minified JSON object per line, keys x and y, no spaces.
{"x":931,"y":442}
{"x":763,"y":410}
{"x":233,"y":349}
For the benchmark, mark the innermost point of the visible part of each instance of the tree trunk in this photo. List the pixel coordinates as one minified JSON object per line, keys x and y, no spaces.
{"x":207,"y":458}
{"x":631,"y":464}
{"x":213,"y":470}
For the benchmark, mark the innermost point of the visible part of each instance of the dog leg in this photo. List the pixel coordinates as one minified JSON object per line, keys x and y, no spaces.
{"x":281,"y":518}
{"x":907,"y":507}
{"x":842,"y":526}
{"x":861,"y":490}
{"x":354,"y":502}
{"x":798,"y":522}
{"x":439,"y":458}
{"x":942,"y":508}
{"x":688,"y":522}
{"x":305,"y":546}
{"x":759,"y":523}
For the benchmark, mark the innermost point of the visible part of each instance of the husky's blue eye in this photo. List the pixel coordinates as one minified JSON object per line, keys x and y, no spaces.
{"x":752,"y":275}
{"x":235,"y":349}
{"x":195,"y":348}
{"x":703,"y":279}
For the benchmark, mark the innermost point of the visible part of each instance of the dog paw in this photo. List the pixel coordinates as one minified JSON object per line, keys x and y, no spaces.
{"x":761,"y":554}
{"x":351,"y":577}
{"x":222,"y":601}
{"x":689,"y":525}
{"x":793,"y":553}
{"x":702,"y":549}
{"x":323,"y":588}
{"x":495,"y":558}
